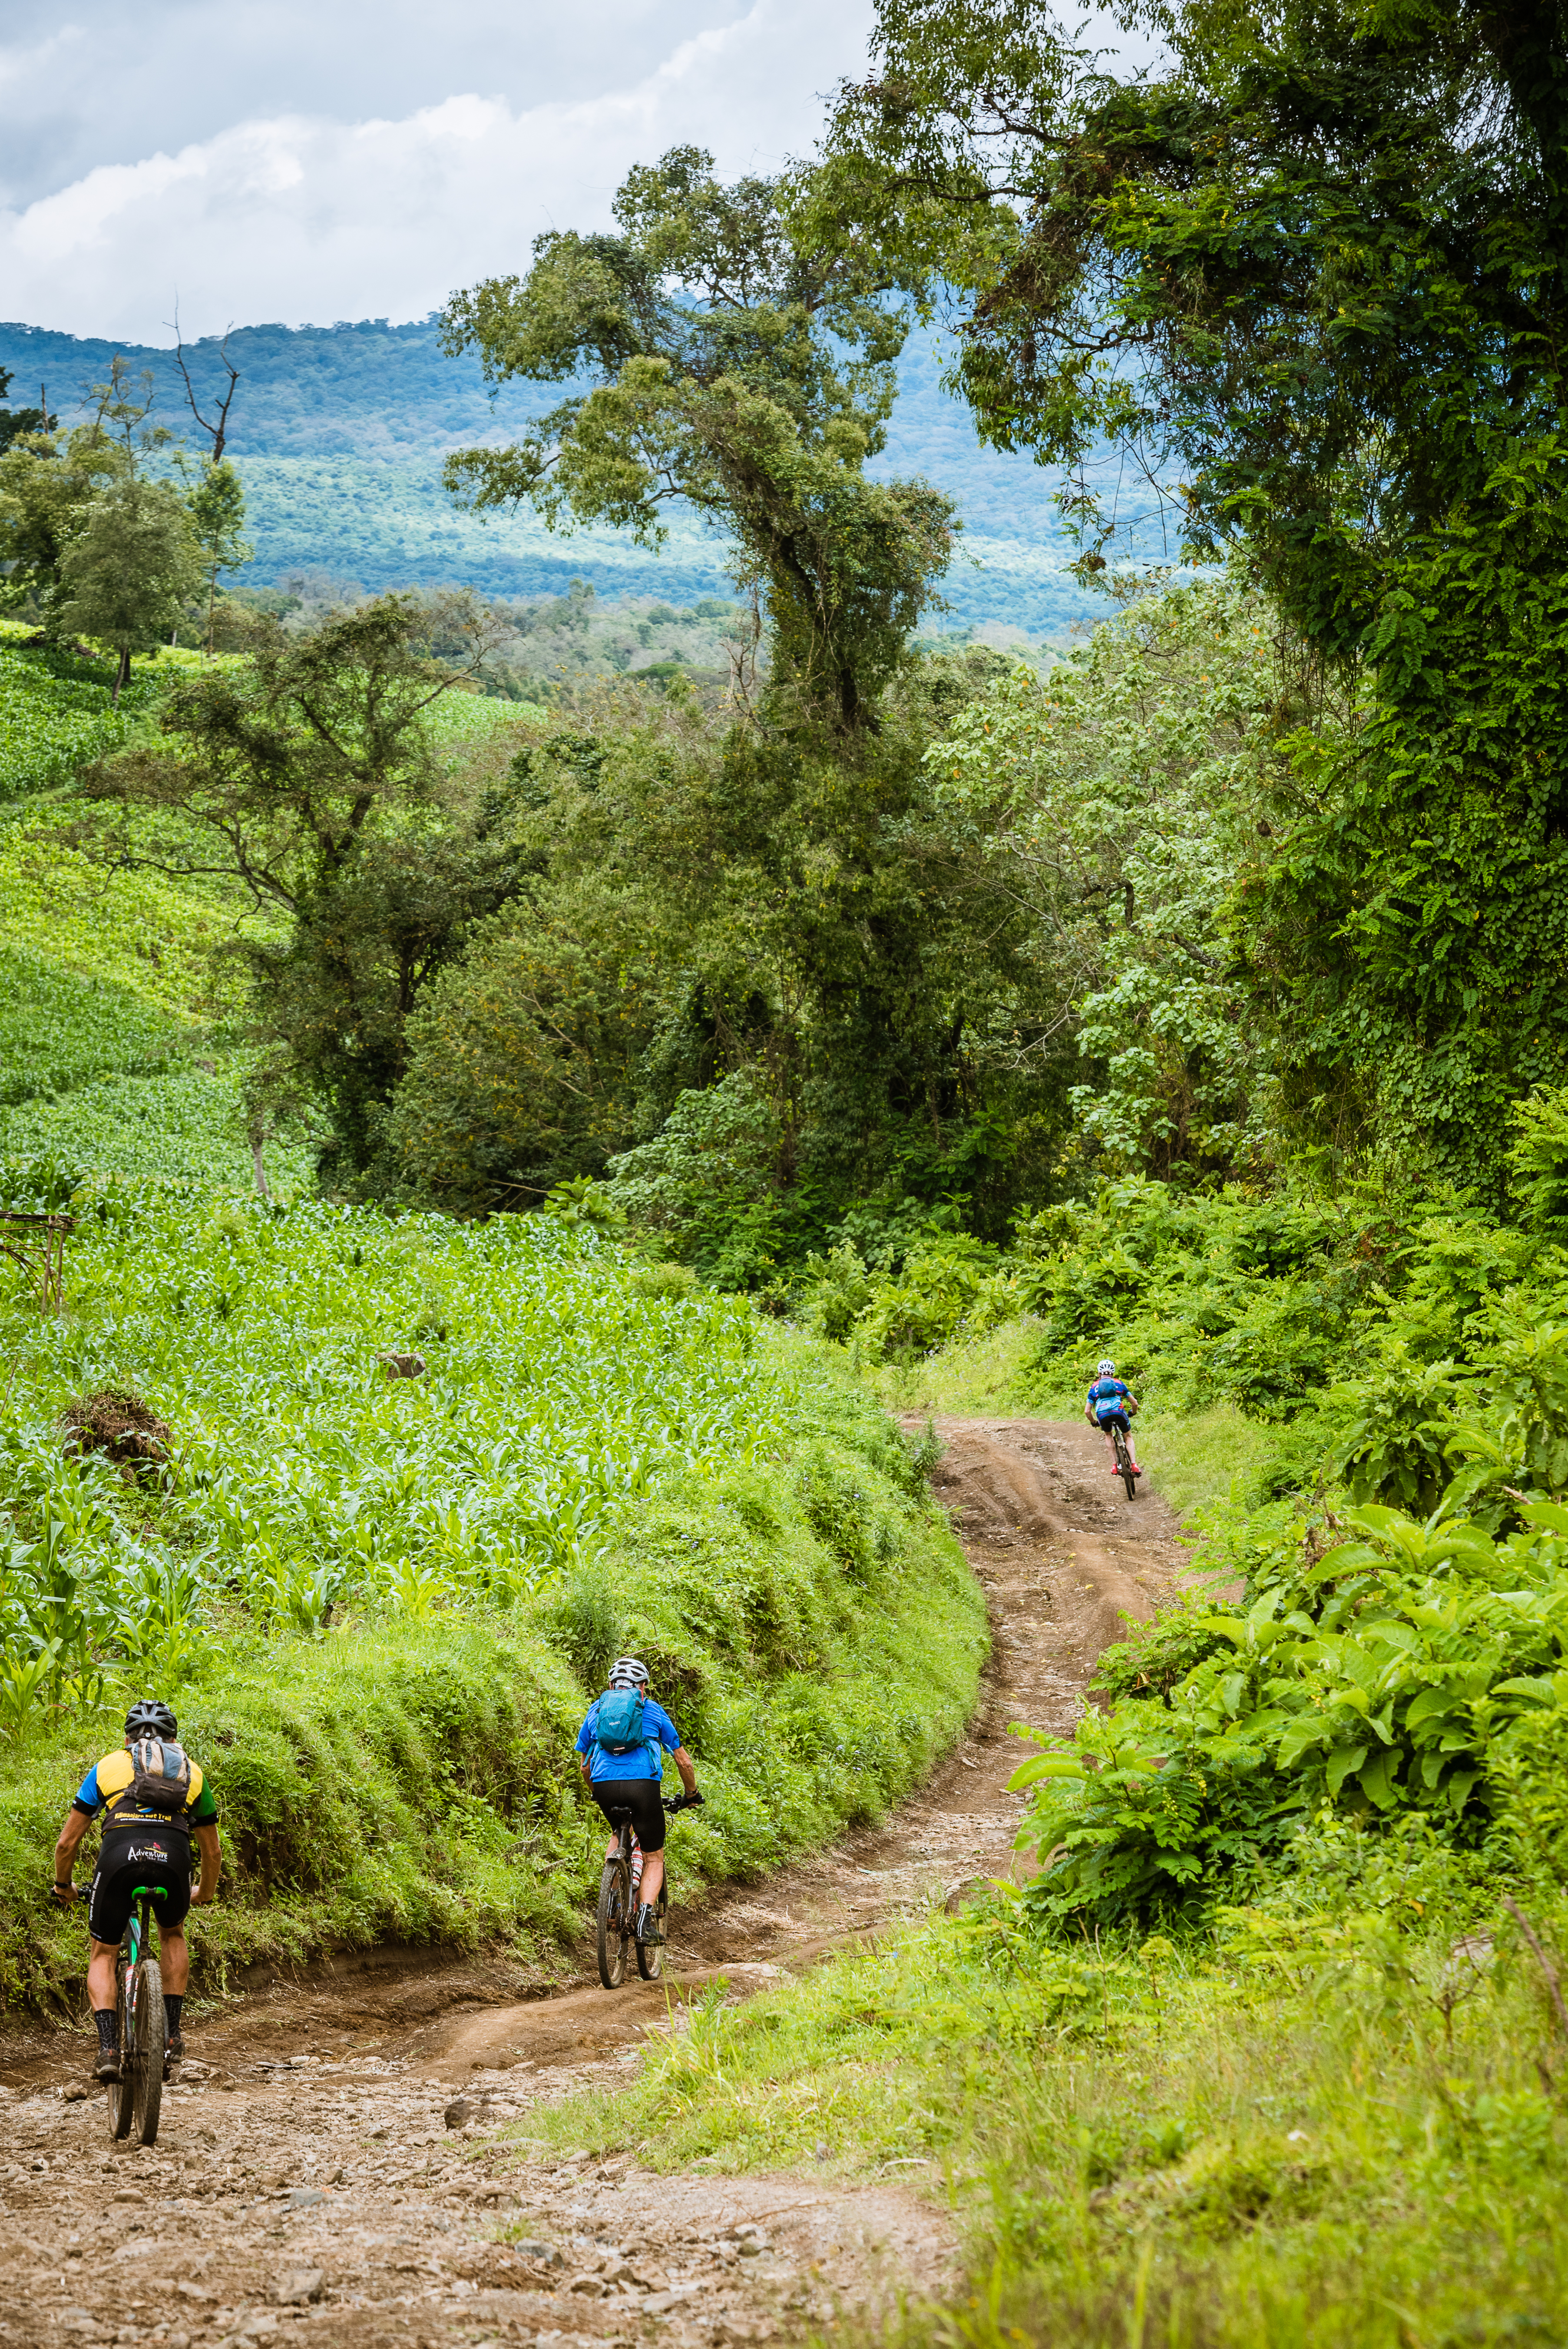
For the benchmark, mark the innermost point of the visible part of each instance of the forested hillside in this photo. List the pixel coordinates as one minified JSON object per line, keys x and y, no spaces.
{"x":337,"y":432}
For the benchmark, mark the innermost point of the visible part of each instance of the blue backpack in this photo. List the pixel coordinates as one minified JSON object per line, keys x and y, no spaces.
{"x":619,"y":1727}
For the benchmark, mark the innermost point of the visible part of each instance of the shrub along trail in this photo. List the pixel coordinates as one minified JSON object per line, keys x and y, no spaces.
{"x":347,"y":2157}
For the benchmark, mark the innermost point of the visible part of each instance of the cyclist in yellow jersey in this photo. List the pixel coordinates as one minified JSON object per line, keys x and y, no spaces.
{"x":152,"y":1797}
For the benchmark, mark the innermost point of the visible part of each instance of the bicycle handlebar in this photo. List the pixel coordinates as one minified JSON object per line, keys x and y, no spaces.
{"x":674,"y":1802}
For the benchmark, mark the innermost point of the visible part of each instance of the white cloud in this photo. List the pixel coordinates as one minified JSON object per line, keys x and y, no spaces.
{"x":295,"y":217}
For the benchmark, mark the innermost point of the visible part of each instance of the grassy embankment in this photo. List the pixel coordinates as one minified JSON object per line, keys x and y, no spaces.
{"x":1311,"y":2092}
{"x":380,"y":1605}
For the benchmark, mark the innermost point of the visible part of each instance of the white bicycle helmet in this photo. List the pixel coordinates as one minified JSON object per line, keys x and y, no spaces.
{"x":1106,"y":1369}
{"x":628,"y":1672}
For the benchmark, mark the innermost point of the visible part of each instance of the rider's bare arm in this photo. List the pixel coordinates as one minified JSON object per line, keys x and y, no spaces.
{"x":206,"y":1845}
{"x":71,"y":1834}
{"x":686,"y":1767}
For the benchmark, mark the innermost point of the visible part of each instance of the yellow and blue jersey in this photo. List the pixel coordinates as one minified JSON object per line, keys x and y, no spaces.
{"x":112,"y":1776}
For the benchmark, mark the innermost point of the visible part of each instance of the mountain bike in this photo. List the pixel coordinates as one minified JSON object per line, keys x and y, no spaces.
{"x":617,"y":1903}
{"x":136,"y":2097}
{"x":1125,"y":1468}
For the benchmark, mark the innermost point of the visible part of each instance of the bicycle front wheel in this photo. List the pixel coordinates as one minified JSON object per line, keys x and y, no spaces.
{"x":651,"y":1959}
{"x":147,"y":2075}
{"x":614,"y":1922}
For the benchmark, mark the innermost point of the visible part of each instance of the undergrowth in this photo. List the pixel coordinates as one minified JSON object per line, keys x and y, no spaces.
{"x":1346,"y":2133}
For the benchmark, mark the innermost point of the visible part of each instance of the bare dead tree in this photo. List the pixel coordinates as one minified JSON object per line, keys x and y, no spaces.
{"x":217,"y":432}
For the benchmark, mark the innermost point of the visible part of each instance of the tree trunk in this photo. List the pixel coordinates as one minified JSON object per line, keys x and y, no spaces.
{"x":257,"y":1162}
{"x":121,"y":676}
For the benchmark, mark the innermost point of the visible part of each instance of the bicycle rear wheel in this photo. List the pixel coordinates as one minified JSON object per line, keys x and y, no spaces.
{"x":614,"y":1922}
{"x":651,"y":1959}
{"x":1124,"y":1462}
{"x":121,"y":2102}
{"x":147,"y":2078}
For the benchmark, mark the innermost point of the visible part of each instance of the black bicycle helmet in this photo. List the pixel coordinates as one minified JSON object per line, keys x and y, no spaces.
{"x":150,"y":1718}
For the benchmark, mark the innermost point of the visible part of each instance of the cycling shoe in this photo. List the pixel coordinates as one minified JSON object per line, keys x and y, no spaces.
{"x":106,"y":2068}
{"x":174,"y":2053}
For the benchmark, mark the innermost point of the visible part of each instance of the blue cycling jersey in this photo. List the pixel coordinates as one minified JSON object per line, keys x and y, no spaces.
{"x":644,"y":1761}
{"x":1109,"y":1398}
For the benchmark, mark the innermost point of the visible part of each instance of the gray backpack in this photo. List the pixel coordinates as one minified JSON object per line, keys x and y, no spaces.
{"x":162,"y":1780}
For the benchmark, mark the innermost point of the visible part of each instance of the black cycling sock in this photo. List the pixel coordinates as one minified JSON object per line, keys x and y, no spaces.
{"x":173,"y":2000}
{"x":108,"y":2028}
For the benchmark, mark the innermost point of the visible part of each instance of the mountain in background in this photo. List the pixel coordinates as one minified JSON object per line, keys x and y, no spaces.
{"x":338,"y":432}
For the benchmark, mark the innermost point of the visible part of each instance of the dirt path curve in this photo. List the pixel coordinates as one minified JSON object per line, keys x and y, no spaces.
{"x":332,"y":2165}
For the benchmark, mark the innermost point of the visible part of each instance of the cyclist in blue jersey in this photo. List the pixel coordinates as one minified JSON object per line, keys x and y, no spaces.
{"x":1111,"y":1404}
{"x":623,"y":1771}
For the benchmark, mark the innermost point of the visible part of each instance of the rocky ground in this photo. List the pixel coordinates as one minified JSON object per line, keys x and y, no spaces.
{"x":346,"y":2159}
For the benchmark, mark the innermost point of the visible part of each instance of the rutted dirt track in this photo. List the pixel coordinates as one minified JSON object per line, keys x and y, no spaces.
{"x":309,"y":2182}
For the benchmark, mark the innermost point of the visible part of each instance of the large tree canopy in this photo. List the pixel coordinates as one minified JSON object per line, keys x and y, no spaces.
{"x":736,"y":369}
{"x":1309,"y":274}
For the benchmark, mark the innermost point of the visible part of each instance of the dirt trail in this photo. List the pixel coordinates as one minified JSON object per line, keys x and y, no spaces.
{"x":315,"y":2173}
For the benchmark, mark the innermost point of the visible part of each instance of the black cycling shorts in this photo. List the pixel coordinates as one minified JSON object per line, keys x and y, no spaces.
{"x":641,"y":1796}
{"x":148,"y":1856}
{"x":1116,"y":1419}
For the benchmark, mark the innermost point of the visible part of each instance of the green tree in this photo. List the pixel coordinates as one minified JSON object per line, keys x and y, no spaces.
{"x":46,"y":485}
{"x":215,"y":503}
{"x":50,"y":486}
{"x":126,"y":575}
{"x":740,"y":373}
{"x":1124,"y":793}
{"x":16,"y":421}
{"x":523,"y":1061}
{"x":311,"y":778}
{"x":798,"y":915}
{"x":1307,"y":277}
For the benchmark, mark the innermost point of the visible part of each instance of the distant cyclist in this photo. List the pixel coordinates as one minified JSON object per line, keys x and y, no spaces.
{"x":152,"y":1796}
{"x":621,"y":1747}
{"x":1113,"y":1404}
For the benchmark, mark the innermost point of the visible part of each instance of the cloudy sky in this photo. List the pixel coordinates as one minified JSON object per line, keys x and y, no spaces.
{"x":273,"y":160}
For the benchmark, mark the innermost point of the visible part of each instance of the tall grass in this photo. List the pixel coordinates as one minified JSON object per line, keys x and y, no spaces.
{"x":1347,"y":2137}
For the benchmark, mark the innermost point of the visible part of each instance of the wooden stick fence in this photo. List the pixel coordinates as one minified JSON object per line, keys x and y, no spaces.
{"x":39,"y":1247}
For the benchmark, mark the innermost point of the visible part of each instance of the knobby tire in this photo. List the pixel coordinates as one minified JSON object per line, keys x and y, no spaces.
{"x":614,"y":1922}
{"x":151,"y":2040}
{"x":121,"y":2102}
{"x":1124,"y":1463}
{"x":650,"y":1961}
{"x":136,"y":2098}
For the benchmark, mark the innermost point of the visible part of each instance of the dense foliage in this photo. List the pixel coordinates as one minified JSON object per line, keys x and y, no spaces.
{"x":1308,"y":267}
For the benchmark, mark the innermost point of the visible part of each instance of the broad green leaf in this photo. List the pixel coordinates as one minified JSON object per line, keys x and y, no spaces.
{"x":1044,"y":1765}
{"x":1540,"y":1688}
